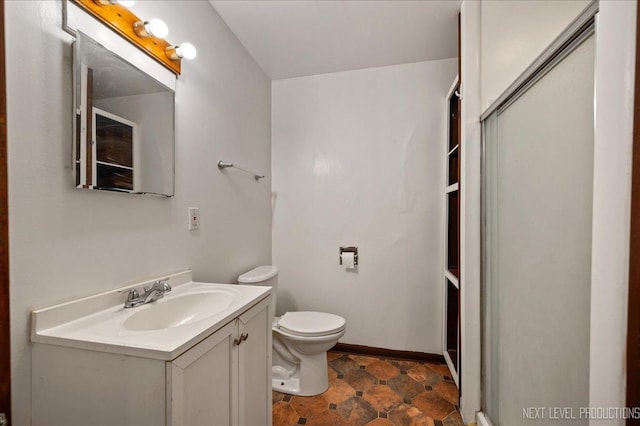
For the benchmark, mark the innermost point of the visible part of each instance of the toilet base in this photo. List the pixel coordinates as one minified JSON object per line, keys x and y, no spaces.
{"x":288,"y":386}
{"x":311,"y":373}
{"x":291,"y":386}
{"x":300,"y":362}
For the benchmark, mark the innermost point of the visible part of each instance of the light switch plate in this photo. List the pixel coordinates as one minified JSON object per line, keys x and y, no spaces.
{"x":194,"y":218}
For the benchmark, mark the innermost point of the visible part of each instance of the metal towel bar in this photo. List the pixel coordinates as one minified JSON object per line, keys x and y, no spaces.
{"x":224,"y":164}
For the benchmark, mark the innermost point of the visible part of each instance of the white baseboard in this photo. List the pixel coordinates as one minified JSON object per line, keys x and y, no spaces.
{"x":482,"y":419}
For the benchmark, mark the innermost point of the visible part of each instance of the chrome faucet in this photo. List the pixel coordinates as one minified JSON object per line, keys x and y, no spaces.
{"x":157,"y":291}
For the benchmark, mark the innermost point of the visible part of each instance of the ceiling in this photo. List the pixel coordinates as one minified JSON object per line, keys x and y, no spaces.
{"x":294,"y":38}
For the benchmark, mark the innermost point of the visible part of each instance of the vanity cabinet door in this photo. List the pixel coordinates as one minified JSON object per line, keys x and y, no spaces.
{"x":202,"y":382}
{"x":226,"y":378}
{"x":254,"y":360}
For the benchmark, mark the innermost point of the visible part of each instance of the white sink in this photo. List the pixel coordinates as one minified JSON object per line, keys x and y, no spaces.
{"x":163,"y":329}
{"x":180,"y":310}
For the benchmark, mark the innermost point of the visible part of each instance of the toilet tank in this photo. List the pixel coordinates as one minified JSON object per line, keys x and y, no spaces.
{"x":263,"y":275}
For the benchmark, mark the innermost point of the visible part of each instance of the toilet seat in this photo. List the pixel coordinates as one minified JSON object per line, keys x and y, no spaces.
{"x":310,"y":323}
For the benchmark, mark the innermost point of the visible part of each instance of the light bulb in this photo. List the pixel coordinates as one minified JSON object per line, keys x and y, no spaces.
{"x":154,"y":27}
{"x":127,"y":3}
{"x":185,"y":50}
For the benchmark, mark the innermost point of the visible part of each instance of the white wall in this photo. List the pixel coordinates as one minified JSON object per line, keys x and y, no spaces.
{"x":615,"y":82}
{"x":514,"y":33}
{"x":66,"y":242}
{"x":358,"y":159}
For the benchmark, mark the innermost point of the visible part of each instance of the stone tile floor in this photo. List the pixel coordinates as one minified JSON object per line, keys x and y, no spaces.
{"x":374,"y":391}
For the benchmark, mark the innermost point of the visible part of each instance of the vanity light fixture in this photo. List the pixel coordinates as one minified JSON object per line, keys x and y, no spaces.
{"x":125,"y":3}
{"x":154,"y":27}
{"x":148,"y":35}
{"x":185,"y":50}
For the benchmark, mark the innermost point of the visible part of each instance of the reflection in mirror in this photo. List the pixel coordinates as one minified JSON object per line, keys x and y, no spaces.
{"x":124,"y":124}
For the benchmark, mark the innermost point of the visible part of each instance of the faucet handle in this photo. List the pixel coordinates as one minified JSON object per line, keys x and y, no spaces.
{"x":132,"y":293}
{"x":163,"y":284}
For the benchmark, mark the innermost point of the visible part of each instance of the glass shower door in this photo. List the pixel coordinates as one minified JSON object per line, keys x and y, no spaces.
{"x":537,"y":206}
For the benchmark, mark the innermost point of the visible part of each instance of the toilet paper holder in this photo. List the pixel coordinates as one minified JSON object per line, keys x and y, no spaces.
{"x":350,"y":249}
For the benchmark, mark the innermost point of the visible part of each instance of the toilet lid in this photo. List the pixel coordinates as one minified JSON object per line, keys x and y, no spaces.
{"x":311,"y":323}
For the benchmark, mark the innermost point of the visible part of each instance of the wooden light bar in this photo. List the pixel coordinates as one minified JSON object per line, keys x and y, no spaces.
{"x":121,"y":20}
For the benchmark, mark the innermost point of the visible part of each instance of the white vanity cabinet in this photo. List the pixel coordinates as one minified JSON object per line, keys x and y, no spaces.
{"x":224,"y":379}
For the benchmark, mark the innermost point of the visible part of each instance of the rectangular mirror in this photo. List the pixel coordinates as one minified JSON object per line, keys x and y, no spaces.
{"x":124,"y":124}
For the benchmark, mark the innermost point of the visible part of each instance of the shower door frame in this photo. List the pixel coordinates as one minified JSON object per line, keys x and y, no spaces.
{"x":633,"y":322}
{"x":581,"y":28}
{"x":5,"y":341}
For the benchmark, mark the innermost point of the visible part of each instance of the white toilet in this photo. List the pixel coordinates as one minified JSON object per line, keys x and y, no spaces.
{"x":300,"y":341}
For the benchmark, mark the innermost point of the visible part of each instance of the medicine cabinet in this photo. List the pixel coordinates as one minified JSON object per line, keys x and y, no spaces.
{"x":124,"y":124}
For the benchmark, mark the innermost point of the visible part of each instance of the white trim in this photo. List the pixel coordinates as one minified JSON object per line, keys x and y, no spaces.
{"x":119,"y":166}
{"x":454,"y":280}
{"x":114,"y":117}
{"x":83,"y":125}
{"x":444,"y":232}
{"x":470,"y":319}
{"x":448,"y":275}
{"x":94,"y":156}
{"x":452,"y":370}
{"x":451,"y":92}
{"x":482,"y":419}
{"x":452,"y":188}
{"x":614,"y":83}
